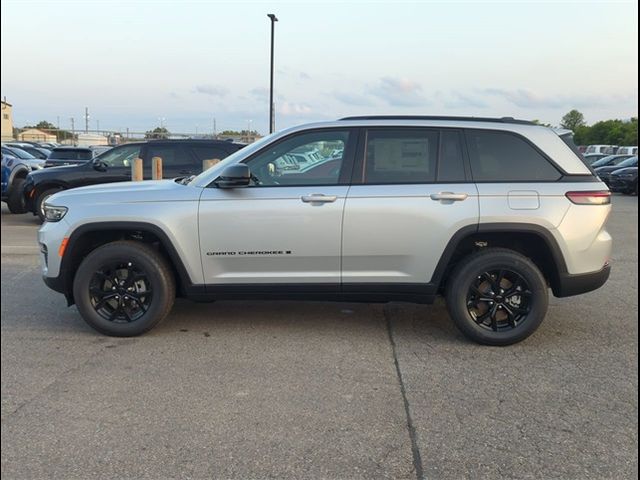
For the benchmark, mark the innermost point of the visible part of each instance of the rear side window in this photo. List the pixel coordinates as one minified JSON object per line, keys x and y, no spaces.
{"x":505,"y":157}
{"x":72,"y":154}
{"x":204,"y":152}
{"x":401,"y":156}
{"x":171,"y":155}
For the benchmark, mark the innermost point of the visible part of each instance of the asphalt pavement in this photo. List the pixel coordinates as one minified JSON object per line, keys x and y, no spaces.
{"x":317,"y":390}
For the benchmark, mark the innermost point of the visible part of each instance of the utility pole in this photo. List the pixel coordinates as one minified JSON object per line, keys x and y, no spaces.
{"x":86,"y":119}
{"x":214,"y":128}
{"x":274,"y":19}
{"x":73,"y":131}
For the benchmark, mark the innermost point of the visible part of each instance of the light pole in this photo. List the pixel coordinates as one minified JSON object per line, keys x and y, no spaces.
{"x":274,"y":19}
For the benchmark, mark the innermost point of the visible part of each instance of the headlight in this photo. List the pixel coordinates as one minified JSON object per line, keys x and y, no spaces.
{"x":54,"y":214}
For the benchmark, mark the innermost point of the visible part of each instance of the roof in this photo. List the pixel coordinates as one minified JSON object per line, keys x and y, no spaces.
{"x":439,"y":117}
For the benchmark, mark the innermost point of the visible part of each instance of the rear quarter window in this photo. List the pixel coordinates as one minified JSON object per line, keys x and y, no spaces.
{"x":506,"y":157}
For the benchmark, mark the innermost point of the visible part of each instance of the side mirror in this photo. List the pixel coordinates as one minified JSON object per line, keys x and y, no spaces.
{"x":100,"y":166}
{"x":234,"y":176}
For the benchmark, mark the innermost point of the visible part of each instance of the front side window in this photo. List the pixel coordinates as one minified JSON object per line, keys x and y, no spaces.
{"x":314,"y":158}
{"x":505,"y":157}
{"x":400,"y":156}
{"x":120,"y":156}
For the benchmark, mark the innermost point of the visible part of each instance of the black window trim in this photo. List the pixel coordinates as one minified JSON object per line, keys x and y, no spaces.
{"x":346,"y":170}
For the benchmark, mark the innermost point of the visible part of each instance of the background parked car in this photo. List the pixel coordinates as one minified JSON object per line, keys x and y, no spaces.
{"x":33,"y":162}
{"x":590,"y":158}
{"x":605,"y":172}
{"x":14,"y":172}
{"x":607,"y":149}
{"x":38,"y":152}
{"x":625,"y":180}
{"x":100,"y":149}
{"x":180,"y":158}
{"x":61,"y":156}
{"x":610,"y":160}
{"x":627,"y":151}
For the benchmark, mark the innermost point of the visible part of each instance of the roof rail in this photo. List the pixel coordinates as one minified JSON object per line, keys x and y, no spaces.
{"x":437,"y":117}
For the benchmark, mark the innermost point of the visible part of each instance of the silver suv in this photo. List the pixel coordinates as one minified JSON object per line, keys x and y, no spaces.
{"x":491,"y":213}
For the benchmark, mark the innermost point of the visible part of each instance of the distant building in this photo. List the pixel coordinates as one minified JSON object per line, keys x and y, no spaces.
{"x":88,"y":139}
{"x":7,"y":121}
{"x":35,"y":135}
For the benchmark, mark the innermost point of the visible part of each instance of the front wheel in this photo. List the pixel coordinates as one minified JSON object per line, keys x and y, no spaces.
{"x":497,"y":297}
{"x":124,"y":288}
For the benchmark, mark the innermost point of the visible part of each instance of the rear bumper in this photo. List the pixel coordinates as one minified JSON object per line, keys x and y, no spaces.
{"x":570,"y":285}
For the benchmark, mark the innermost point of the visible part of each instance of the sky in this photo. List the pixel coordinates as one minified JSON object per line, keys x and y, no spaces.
{"x":137,"y":64}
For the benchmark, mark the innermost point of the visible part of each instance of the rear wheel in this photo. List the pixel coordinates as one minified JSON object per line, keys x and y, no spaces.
{"x":124,"y":288}
{"x":40,"y":199}
{"x":497,"y":297}
{"x":15,"y":202}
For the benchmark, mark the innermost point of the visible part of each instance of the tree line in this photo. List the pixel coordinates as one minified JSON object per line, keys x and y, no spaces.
{"x":606,"y":132}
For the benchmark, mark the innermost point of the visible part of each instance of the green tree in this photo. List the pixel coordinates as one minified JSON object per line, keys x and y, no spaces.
{"x":158,"y":132}
{"x":573,"y":120}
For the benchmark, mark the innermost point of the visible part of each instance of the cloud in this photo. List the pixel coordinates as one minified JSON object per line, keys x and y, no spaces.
{"x":260,"y":93}
{"x":354,"y":99}
{"x":212,"y":90}
{"x":305,"y":76}
{"x":290,"y":109}
{"x":457,"y":100}
{"x":399,"y":92}
{"x":527,"y":99}
{"x":174,"y":95}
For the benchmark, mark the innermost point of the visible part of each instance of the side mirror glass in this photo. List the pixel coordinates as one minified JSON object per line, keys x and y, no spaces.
{"x":234,"y":176}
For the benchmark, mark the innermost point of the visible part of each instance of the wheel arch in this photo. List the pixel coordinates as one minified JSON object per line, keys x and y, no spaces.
{"x":88,"y":237}
{"x":531,"y":240}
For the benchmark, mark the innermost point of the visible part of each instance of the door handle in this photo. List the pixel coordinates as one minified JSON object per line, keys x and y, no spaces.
{"x":449,"y":197}
{"x":318,"y":198}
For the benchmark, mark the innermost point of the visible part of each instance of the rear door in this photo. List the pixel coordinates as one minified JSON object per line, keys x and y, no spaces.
{"x":411,"y":193}
{"x":206,"y":152}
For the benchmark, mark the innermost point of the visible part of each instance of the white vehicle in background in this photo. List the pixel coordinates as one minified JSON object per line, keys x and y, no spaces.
{"x":627,"y":151}
{"x":606,"y":149}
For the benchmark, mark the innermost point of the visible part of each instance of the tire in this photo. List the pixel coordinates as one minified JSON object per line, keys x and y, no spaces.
{"x":111,"y":309}
{"x":41,"y":199}
{"x":15,"y":202}
{"x":487,"y":316}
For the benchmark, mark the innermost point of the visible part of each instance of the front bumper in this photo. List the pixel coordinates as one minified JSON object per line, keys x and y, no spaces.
{"x":570,"y":285}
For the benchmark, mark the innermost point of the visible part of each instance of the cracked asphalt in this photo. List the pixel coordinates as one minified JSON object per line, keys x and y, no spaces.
{"x":317,"y":390}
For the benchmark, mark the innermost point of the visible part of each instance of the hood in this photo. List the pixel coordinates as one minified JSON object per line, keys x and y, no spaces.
{"x":126,"y":192}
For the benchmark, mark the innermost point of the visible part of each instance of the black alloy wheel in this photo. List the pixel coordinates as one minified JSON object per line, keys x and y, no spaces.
{"x":120,"y":292}
{"x":499,"y":300}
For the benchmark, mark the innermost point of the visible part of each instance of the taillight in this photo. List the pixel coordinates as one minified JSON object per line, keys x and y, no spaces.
{"x":600,"y":197}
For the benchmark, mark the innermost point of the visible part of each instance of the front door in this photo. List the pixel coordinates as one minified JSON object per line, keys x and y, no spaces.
{"x":286,"y":227}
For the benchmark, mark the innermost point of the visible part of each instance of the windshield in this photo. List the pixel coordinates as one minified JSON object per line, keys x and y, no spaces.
{"x":629,"y":162}
{"x":71,"y":154}
{"x":211,"y":174}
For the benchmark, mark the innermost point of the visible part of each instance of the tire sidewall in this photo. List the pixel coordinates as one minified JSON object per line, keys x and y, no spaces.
{"x":457,"y":298}
{"x":15,"y":202}
{"x":161,"y":289}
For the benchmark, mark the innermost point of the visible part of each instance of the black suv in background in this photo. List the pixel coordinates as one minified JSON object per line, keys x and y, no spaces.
{"x":61,"y":156}
{"x":180,"y":158}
